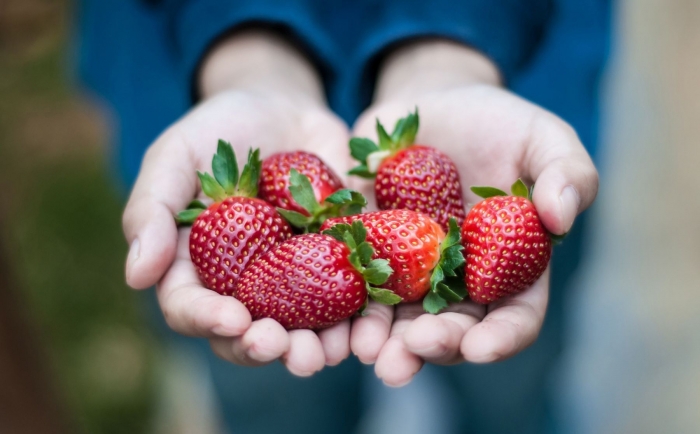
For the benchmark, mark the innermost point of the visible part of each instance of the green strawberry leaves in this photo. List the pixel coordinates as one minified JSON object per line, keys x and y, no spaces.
{"x":349,"y":202}
{"x":433,"y":303}
{"x":445,"y":283}
{"x":486,"y":192}
{"x":374,"y":271}
{"x":250,"y":176}
{"x":385,"y":142}
{"x":188,"y":216}
{"x":383,"y":296}
{"x":225,"y":182}
{"x":360,"y":148}
{"x":518,"y":189}
{"x":557,"y":239}
{"x":377,"y":271}
{"x":405,"y":131}
{"x":211,"y":187}
{"x":303,"y":192}
{"x":341,"y":203}
{"x":225,"y":167}
{"x":451,"y":290}
{"x":370,"y":154}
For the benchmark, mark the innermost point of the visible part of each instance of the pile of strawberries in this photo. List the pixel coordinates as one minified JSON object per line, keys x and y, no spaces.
{"x":291,"y":243}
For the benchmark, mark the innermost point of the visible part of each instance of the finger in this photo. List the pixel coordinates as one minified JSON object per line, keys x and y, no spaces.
{"x":335,"y":341}
{"x":305,"y":355}
{"x":371,"y":331}
{"x":512,"y":324}
{"x":566,"y":181}
{"x":265,"y":341}
{"x":165,"y":185}
{"x":193,"y":310}
{"x":437,"y":338}
{"x":324,"y":134}
{"x":396,"y":365}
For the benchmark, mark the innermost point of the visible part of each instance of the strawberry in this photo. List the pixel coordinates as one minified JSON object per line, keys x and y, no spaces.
{"x":274,"y":179}
{"x":417,"y":249}
{"x":313,"y":281}
{"x":505,"y":244}
{"x":408,"y":176}
{"x":341,"y":203}
{"x":237,"y":227}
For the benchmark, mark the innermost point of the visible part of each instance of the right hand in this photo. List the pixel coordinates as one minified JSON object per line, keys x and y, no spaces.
{"x":264,"y":107}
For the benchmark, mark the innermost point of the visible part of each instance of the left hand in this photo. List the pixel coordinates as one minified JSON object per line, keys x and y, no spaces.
{"x":494,"y":137}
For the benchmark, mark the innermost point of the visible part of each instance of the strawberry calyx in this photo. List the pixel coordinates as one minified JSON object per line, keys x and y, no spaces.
{"x":446,"y":286}
{"x":518,"y":189}
{"x":370,"y":154}
{"x":226,"y":181}
{"x":341,"y":203}
{"x":374,"y":271}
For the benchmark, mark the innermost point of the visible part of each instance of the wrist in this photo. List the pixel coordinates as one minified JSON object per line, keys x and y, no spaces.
{"x":260,"y":61}
{"x":431,"y":65}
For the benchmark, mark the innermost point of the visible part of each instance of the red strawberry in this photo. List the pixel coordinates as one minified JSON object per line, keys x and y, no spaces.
{"x":418,"y":251}
{"x":505,"y":244}
{"x":313,"y":281}
{"x":237,"y":227}
{"x":408,"y":176}
{"x":340,"y":203}
{"x":274,"y":180}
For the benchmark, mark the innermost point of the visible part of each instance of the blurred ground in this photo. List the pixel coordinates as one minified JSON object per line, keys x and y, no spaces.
{"x":62,"y":233}
{"x":633,"y":363}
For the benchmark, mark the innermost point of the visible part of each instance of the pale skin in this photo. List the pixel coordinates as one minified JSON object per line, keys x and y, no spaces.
{"x":274,"y":100}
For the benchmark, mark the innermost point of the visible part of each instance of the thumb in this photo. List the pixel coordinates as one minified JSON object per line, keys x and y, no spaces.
{"x":566,"y":181}
{"x":164,"y":186}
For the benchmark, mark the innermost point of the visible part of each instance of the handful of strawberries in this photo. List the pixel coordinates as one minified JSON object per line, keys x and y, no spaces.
{"x":292,"y":244}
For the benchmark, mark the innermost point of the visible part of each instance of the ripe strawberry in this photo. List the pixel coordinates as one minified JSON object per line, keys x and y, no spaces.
{"x":313,"y":281}
{"x":341,"y":203}
{"x":506,"y":247}
{"x":274,"y":180}
{"x":237,"y":227}
{"x":418,"y":251}
{"x":408,"y":176}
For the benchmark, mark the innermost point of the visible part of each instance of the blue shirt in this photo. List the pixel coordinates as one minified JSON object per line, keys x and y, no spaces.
{"x":141,"y":55}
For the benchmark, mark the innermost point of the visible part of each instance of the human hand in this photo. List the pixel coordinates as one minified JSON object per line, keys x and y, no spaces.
{"x":494,"y":137}
{"x":272,"y":100}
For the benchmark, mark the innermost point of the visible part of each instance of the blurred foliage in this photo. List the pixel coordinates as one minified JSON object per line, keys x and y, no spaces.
{"x":62,"y":217}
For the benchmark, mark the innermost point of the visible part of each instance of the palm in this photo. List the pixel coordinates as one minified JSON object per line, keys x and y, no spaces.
{"x":249,"y":120}
{"x":168,"y":181}
{"x":493,"y":137}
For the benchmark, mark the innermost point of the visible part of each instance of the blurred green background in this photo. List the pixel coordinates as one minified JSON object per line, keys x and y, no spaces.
{"x":61,"y":232}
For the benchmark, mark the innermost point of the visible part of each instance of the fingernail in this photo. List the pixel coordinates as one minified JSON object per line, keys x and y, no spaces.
{"x":435,"y":351}
{"x":263,"y":353}
{"x":229,"y":326}
{"x":132,"y":257}
{"x":399,"y":384}
{"x":570,"y":202}
{"x":484,"y":358}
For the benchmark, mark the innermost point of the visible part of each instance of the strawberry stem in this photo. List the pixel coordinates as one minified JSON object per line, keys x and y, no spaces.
{"x":225,"y":182}
{"x":374,"y":271}
{"x":188,"y":216}
{"x":445,"y":286}
{"x":370,"y":154}
{"x":341,"y":203}
{"x":225,"y":167}
{"x":519,"y":189}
